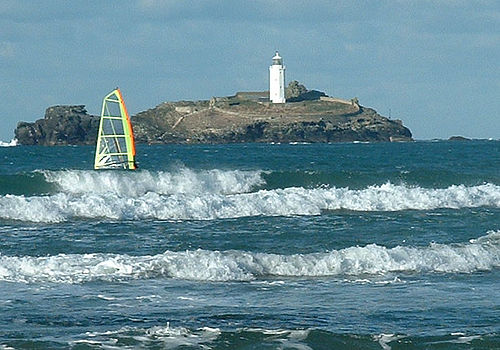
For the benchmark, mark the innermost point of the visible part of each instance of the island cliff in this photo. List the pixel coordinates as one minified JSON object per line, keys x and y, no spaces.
{"x":243,"y":117}
{"x":62,"y":125}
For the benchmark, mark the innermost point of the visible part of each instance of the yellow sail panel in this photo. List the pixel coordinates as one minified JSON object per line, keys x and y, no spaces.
{"x":115,"y":147}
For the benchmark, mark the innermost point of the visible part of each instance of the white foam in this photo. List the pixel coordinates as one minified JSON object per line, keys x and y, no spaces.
{"x":5,"y":347}
{"x":385,"y":339}
{"x":289,"y":339}
{"x":165,"y":337}
{"x":12,"y":143}
{"x":218,"y":198}
{"x":134,"y":184}
{"x":205,"y":265}
{"x":466,"y":340}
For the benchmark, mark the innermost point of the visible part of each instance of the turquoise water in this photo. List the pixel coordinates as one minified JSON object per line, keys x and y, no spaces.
{"x":254,"y":246}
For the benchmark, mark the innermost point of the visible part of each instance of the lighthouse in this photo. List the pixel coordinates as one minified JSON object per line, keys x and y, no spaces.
{"x":277,"y":80}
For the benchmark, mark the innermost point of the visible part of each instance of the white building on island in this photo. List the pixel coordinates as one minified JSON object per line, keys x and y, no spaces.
{"x":277,"y":80}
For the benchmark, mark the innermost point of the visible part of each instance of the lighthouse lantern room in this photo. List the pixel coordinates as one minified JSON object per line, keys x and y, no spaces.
{"x":277,"y":80}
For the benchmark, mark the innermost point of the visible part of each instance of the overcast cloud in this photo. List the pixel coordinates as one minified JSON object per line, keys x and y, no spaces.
{"x":433,"y":64}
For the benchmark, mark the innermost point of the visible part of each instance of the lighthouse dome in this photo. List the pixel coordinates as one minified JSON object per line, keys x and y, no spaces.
{"x":277,"y":59}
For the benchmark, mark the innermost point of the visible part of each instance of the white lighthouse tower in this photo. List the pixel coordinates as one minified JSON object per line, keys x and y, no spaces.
{"x":277,"y":80}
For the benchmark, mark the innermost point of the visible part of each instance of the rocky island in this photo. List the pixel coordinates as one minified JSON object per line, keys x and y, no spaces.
{"x":308,"y":116}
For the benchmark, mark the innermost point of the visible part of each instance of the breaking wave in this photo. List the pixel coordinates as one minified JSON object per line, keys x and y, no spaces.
{"x":482,"y":254}
{"x":219,"y":195}
{"x":134,"y":184}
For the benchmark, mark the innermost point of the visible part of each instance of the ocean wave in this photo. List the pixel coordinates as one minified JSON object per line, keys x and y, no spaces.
{"x":482,"y":254}
{"x":133,"y":184}
{"x":224,"y":201}
{"x":166,"y":336}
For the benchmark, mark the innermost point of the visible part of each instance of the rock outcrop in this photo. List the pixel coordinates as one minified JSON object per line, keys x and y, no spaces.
{"x":62,"y":125}
{"x":296,"y":92}
{"x":459,"y":138}
{"x":232,"y":119}
{"x":225,"y":120}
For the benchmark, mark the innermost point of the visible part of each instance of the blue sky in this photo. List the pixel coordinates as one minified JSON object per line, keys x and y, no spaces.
{"x":433,"y":64}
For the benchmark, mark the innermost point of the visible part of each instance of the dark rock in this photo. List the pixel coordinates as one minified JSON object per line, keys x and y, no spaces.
{"x":459,"y":138}
{"x":62,"y":125}
{"x":296,"y":92}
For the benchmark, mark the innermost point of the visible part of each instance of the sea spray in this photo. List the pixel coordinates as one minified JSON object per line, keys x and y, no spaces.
{"x":134,"y":184}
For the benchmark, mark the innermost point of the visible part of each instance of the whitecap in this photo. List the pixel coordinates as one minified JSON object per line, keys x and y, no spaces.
{"x":205,"y":265}
{"x":224,"y":201}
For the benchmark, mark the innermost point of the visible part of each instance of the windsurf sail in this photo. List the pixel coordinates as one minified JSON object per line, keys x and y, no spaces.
{"x":115,"y":141}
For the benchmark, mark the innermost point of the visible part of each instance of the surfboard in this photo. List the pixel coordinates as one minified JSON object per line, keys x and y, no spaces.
{"x":115,"y":148}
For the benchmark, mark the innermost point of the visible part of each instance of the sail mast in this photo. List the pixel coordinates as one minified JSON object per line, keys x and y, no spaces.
{"x":128,"y":131}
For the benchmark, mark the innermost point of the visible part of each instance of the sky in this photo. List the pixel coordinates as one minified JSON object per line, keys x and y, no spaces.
{"x":434,"y":64}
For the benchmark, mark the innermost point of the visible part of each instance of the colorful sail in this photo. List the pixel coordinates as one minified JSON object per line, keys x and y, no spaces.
{"x":115,"y":140}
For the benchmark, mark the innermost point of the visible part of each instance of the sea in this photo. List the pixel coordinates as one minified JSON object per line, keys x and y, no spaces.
{"x":252,"y":246}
